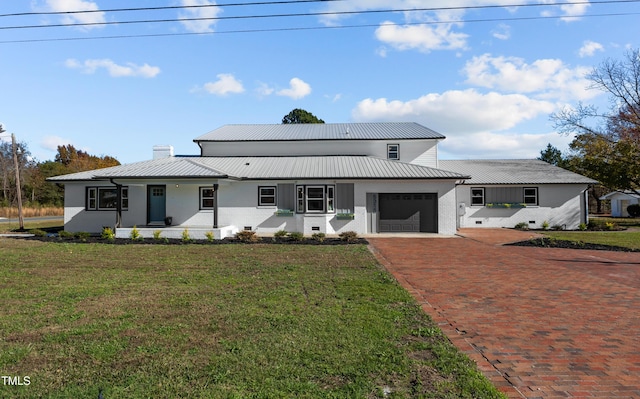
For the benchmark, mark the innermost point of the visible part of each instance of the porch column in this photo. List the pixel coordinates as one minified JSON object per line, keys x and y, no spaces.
{"x":215,"y":206}
{"x":118,"y":204}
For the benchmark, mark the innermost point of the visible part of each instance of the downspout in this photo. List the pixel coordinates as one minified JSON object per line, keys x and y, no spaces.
{"x":118,"y":203}
{"x":215,"y":205}
{"x":585,"y":201}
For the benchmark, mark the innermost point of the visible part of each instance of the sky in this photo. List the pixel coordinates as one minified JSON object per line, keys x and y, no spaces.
{"x":485,"y":74}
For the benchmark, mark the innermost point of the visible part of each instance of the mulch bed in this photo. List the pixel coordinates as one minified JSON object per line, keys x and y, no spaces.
{"x":547,"y":242}
{"x":176,"y":241}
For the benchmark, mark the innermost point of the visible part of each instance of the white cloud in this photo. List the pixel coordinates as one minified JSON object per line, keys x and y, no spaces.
{"x":589,"y":48}
{"x":572,"y":12}
{"x":545,"y":78}
{"x":199,"y":26}
{"x":264,"y":90}
{"x":52,"y":142}
{"x":502,"y":32}
{"x":489,"y":145}
{"x":76,"y":5}
{"x":424,"y":38}
{"x":456,"y":111}
{"x":226,"y":84}
{"x":115,"y":70}
{"x":297,"y":89}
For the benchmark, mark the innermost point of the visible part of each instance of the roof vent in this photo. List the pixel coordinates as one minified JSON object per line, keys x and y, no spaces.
{"x":347,"y":130}
{"x":162,"y":151}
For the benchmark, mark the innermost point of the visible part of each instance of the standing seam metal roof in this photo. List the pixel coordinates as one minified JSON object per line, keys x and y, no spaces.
{"x":321,"y":131}
{"x":271,"y":168}
{"x":513,"y":171}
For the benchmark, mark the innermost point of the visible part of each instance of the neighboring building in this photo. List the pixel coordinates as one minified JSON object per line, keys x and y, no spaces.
{"x":620,"y":200}
{"x":330,"y":178}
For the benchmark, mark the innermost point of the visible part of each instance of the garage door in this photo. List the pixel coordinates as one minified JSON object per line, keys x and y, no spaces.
{"x":407,"y":213}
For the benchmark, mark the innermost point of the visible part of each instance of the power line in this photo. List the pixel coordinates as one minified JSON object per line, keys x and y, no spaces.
{"x":311,"y":28}
{"x":22,"y":14}
{"x":309,"y":14}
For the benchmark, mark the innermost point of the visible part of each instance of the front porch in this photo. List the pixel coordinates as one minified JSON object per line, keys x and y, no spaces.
{"x":194,"y":232}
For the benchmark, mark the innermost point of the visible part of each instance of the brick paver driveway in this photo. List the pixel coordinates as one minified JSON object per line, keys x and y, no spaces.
{"x":541,"y":323}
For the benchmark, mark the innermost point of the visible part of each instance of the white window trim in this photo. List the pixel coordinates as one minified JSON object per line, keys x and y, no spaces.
{"x":92,"y":200}
{"x":524,"y":196}
{"x":328,"y":198}
{"x":395,"y":151}
{"x":212,"y":197}
{"x":274,"y":196}
{"x":483,"y":196}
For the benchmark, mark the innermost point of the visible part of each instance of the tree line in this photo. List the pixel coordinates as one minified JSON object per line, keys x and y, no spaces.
{"x":36,"y":191}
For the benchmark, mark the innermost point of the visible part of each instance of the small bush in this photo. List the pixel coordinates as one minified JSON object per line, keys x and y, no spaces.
{"x":348,"y":236}
{"x":108,"y":234}
{"x":210,"y":236}
{"x":157,"y":234}
{"x":545,"y":225}
{"x":135,"y":234}
{"x":280,"y":234}
{"x":634,"y":210}
{"x":185,"y":235}
{"x":582,"y":227}
{"x":65,"y":234}
{"x":39,"y":233}
{"x":296,"y":236}
{"x":247,"y":236}
{"x":557,"y":227}
{"x":522,"y":226}
{"x":82,"y":235}
{"x":318,"y":236}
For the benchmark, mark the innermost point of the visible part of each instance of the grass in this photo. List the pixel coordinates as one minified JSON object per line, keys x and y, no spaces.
{"x":229,"y":321}
{"x":629,"y":238}
{"x":13,"y":225}
{"x":28,"y":212}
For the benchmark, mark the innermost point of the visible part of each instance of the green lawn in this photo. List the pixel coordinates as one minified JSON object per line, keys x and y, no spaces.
{"x":218,"y":321}
{"x":628,"y":239}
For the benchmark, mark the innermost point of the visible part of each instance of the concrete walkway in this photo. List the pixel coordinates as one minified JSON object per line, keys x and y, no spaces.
{"x":540,"y":323}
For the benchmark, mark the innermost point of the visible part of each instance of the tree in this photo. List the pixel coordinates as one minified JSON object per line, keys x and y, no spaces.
{"x":607,"y":144}
{"x":8,"y":170}
{"x":300,"y":116}
{"x":553,"y":156}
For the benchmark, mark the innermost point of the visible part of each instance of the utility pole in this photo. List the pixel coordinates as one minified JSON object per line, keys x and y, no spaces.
{"x":18,"y":189}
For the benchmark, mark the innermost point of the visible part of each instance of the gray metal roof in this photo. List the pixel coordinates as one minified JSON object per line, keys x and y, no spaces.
{"x":321,"y":131}
{"x":271,"y":168}
{"x":513,"y":171}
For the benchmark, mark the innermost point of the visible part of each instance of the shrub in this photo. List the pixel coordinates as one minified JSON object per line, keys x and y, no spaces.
{"x":108,"y":234}
{"x":210,"y":236}
{"x":157,"y":234}
{"x":82,"y":235}
{"x":582,"y":227}
{"x":39,"y":233}
{"x":247,"y":236}
{"x":545,"y":225}
{"x":348,"y":236}
{"x":280,"y":234}
{"x":318,"y":236}
{"x":522,"y":226}
{"x":634,"y":210}
{"x":296,"y":236}
{"x":135,"y":234}
{"x":185,"y":235}
{"x":557,"y":227}
{"x":65,"y":234}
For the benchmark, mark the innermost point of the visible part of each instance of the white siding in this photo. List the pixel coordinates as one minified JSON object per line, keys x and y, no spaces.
{"x":559,"y":204}
{"x":421,"y":152}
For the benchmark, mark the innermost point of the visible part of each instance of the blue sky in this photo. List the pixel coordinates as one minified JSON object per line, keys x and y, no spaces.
{"x":485,"y":77}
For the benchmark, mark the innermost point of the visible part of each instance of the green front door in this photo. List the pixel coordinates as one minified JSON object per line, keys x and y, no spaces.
{"x":157,"y":203}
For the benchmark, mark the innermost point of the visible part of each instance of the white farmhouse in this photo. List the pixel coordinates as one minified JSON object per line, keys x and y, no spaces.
{"x":330,"y":178}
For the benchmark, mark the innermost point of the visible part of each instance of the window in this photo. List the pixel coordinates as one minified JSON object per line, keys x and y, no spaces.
{"x":106,"y":198}
{"x":477,"y":196}
{"x":393,"y":151}
{"x":267,"y":196}
{"x":531,"y":195}
{"x":207,"y":198}
{"x":315,"y":199}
